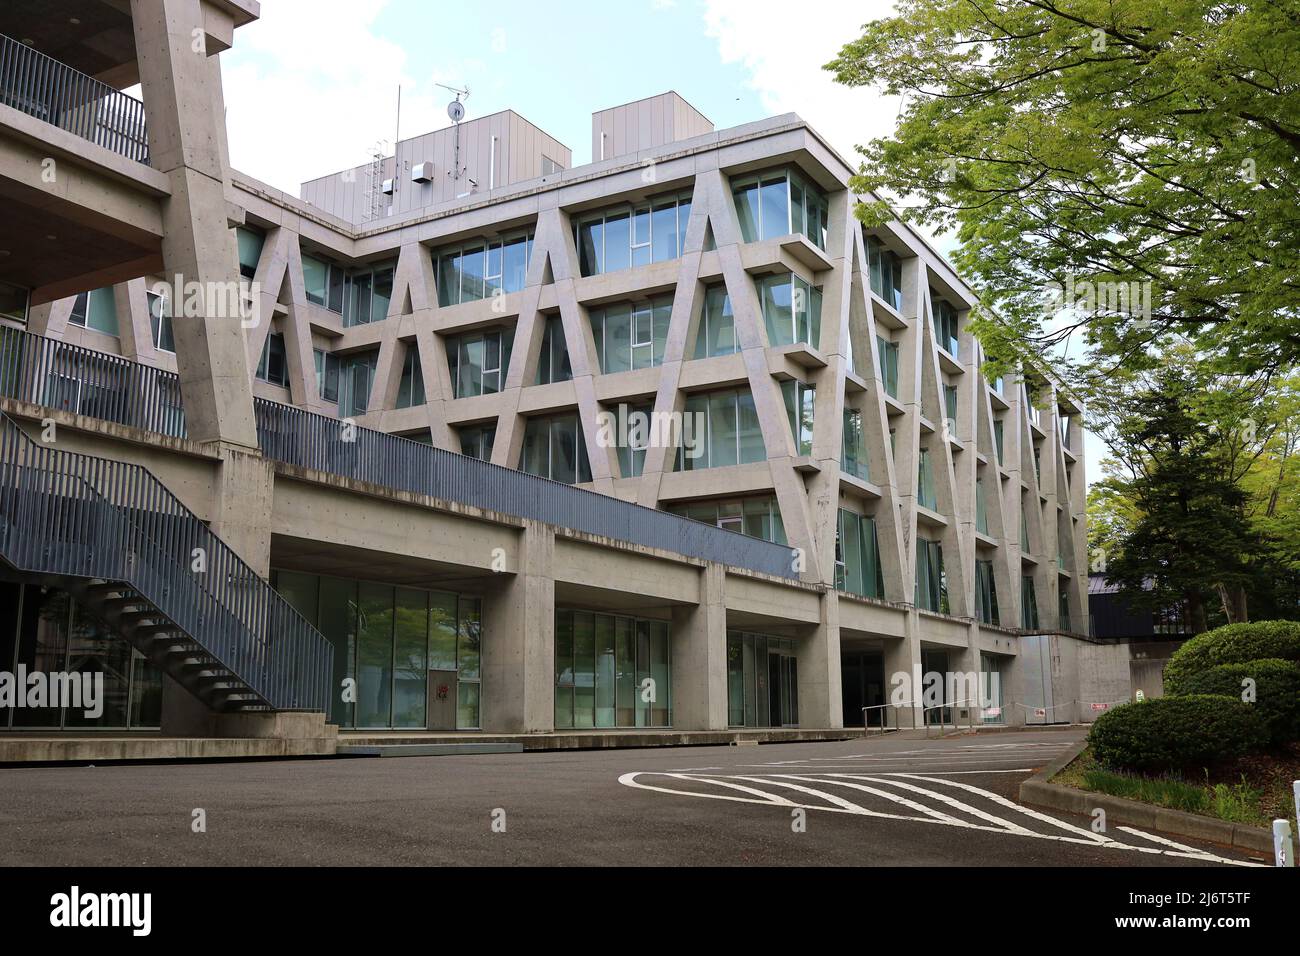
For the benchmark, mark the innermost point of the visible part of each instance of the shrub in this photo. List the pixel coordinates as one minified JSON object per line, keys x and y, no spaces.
{"x":1277,"y":691}
{"x":1177,"y":733}
{"x":1232,"y":644}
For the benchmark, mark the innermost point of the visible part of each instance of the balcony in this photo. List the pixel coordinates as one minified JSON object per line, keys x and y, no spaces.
{"x":57,"y":94}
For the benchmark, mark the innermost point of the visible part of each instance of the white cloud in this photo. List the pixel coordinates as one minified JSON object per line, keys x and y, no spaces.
{"x":784,"y":59}
{"x":310,"y":89}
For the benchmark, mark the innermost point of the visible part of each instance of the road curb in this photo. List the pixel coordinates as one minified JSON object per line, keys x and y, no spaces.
{"x":1039,"y":791}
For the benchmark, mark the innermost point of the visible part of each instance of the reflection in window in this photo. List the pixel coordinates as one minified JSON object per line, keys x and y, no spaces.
{"x":717,"y":334}
{"x":925,"y":491}
{"x":631,"y":336}
{"x":853,"y":457}
{"x":481,"y":269}
{"x":792,"y":310}
{"x":553,"y":363}
{"x":1028,"y":603}
{"x":13,"y":302}
{"x":356,"y":377}
{"x":410,"y":392}
{"x":857,"y":555}
{"x":931,"y":583}
{"x":731,"y":431}
{"x":160,"y":321}
{"x":273,"y":366}
{"x":781,"y":203}
{"x":800,"y":404}
{"x":96,"y":310}
{"x":478,"y":361}
{"x":611,"y":671}
{"x":627,"y":237}
{"x":555,"y":448}
{"x":886,"y":273}
{"x":888,"y":365}
{"x":758,"y":517}
{"x":945,"y":325}
{"x":762,"y":681}
{"x":476,"y":441}
{"x":986,"y":593}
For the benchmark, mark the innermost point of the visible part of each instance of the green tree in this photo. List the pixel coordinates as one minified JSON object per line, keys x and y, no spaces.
{"x":1193,"y":509}
{"x":1117,"y":142}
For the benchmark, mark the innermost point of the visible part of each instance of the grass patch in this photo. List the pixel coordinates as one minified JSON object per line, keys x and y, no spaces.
{"x":1259,"y":793}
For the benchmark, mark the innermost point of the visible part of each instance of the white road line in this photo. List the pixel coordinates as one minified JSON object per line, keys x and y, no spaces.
{"x":630,"y":780}
{"x":886,"y":795}
{"x":771,"y":797}
{"x":944,"y":798}
{"x":1167,"y":842}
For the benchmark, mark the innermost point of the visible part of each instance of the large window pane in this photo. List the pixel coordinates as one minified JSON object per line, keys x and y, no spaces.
{"x":618,"y":243}
{"x":584,"y":670}
{"x":722,"y":430}
{"x":775,"y":204}
{"x":374,"y":655}
{"x":410,"y":630}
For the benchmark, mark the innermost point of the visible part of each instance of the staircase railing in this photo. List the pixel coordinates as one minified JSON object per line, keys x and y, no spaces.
{"x":68,"y":514}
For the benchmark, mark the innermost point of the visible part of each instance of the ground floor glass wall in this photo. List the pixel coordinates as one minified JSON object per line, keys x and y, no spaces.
{"x":44,"y":630}
{"x":611,"y":671}
{"x":404,"y":658}
{"x":762,"y":681}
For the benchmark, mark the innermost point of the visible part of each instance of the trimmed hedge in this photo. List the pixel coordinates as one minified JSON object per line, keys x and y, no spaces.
{"x":1177,"y":733}
{"x":1232,"y":644}
{"x":1277,"y":691}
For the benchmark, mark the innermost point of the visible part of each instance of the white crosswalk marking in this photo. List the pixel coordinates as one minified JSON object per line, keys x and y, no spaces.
{"x":924,"y":798}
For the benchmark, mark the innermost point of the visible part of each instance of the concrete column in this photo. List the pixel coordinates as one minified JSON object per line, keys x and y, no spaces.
{"x":821,"y":699}
{"x":186,"y":139}
{"x":519,"y":641}
{"x":243,"y":505}
{"x":699,"y":656}
{"x":904,"y":657}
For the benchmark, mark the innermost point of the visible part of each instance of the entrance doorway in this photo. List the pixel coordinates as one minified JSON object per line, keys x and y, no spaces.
{"x":862,"y":679}
{"x":442,"y":700}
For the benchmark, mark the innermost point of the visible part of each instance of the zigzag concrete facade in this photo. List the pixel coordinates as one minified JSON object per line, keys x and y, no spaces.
{"x":971,"y":492}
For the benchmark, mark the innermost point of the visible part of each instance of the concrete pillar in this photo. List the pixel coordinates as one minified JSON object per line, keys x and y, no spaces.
{"x":519,"y":641}
{"x":699,"y":656}
{"x":243,"y":506}
{"x":821,"y":699}
{"x":904,"y":657}
{"x":186,"y":142}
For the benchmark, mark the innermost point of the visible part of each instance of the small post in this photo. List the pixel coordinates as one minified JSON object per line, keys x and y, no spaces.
{"x":1283,"y":855}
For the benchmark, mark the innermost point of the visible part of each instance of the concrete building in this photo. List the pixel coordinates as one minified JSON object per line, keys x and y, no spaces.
{"x":486,"y":442}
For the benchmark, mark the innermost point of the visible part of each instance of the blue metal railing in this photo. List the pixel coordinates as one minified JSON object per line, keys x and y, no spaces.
{"x":307,"y":440}
{"x":54,"y":374}
{"x":74,"y":515}
{"x":82,"y":381}
{"x":55,"y":93}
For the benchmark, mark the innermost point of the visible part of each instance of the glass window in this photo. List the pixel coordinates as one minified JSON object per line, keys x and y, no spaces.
{"x":931,"y":583}
{"x":732,"y":434}
{"x":950,"y":407}
{"x":555,"y":448}
{"x":800,"y":403}
{"x":717,"y":334}
{"x":250,"y":242}
{"x":374,"y":655}
{"x":945,"y":324}
{"x":981,"y":508}
{"x":857,"y":555}
{"x":327,"y":375}
{"x":13,"y":302}
{"x":886,"y":271}
{"x":853,"y":459}
{"x":96,"y":310}
{"x":791,"y":310}
{"x":368,"y":296}
{"x":411,"y":390}
{"x":925,"y":491}
{"x":315,"y":275}
{"x":611,"y":671}
{"x":160,"y":321}
{"x":273,"y":366}
{"x":1028,"y":604}
{"x":410,"y":658}
{"x":478,"y":361}
{"x":356,"y":377}
{"x":888,"y":365}
{"x":553,"y":364}
{"x":986,"y":593}
{"x":779,"y":204}
{"x":476,"y":441}
{"x":623,"y":238}
{"x":480,"y":269}
{"x":997,"y":439}
{"x":758,"y":517}
{"x":632,"y":445}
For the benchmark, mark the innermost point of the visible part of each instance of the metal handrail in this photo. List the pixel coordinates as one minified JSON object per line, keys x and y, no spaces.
{"x":82,"y":381}
{"x":62,"y":96}
{"x":69,"y":514}
{"x":305,"y":439}
{"x":46,"y":372}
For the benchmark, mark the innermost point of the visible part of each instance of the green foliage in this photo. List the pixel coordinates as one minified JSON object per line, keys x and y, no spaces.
{"x":1177,"y":734}
{"x":1276,"y":691}
{"x":1162,"y":791}
{"x":1145,"y":141}
{"x":1231,"y":644}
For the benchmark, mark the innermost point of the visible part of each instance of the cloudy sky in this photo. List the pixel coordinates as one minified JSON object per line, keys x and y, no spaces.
{"x":312,"y":87}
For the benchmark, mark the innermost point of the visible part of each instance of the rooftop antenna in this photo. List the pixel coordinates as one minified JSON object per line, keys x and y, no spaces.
{"x":456,"y":111}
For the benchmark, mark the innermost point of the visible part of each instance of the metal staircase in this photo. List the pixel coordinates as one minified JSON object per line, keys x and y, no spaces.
{"x":114,"y":536}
